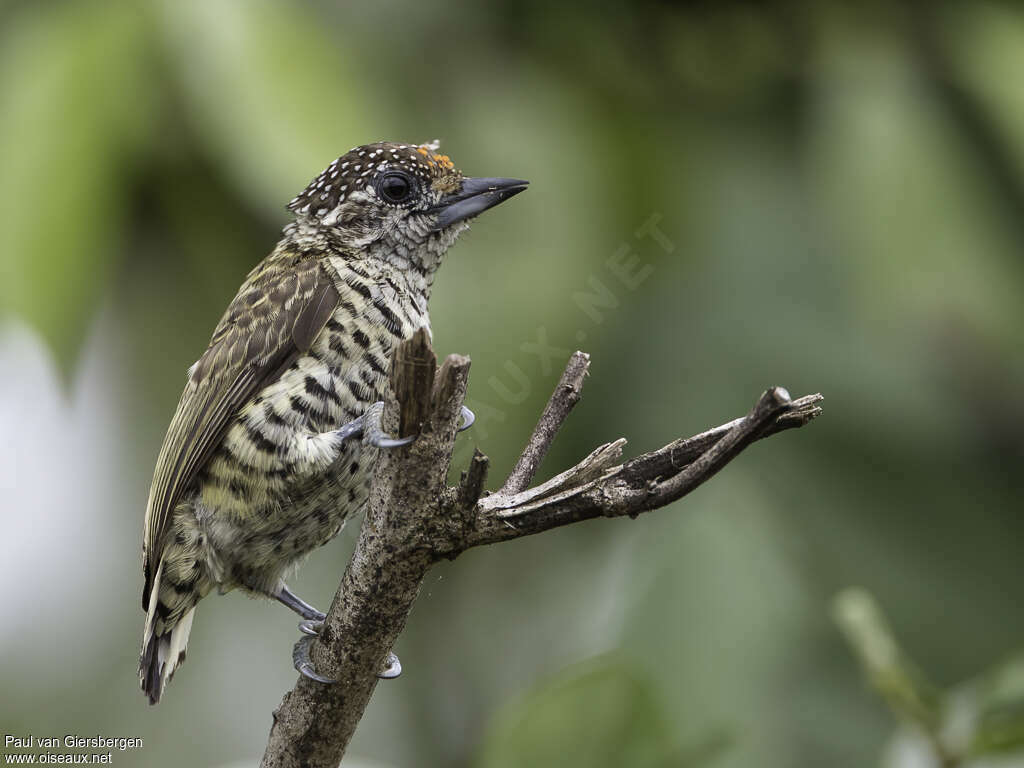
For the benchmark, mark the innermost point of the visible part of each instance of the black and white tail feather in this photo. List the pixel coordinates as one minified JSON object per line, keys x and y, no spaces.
{"x":164,"y":652}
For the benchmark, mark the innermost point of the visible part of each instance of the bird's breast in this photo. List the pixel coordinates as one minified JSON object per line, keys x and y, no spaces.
{"x":343,"y":373}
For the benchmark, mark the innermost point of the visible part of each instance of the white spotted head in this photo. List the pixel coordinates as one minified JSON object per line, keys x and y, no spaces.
{"x":397,"y":199}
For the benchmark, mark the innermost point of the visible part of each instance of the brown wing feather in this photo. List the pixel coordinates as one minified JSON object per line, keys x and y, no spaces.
{"x":272,"y":320}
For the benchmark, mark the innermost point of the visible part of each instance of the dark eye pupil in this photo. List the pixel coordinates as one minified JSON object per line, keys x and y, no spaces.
{"x":395,"y":188}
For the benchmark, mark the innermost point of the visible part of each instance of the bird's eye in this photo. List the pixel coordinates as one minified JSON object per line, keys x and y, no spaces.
{"x":396,"y":187}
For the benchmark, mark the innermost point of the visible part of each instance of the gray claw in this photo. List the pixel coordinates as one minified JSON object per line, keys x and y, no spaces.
{"x":391,"y":442}
{"x":311,"y":626}
{"x":303,"y":664}
{"x":392,"y":668}
{"x":374,"y":434}
{"x":468,"y":417}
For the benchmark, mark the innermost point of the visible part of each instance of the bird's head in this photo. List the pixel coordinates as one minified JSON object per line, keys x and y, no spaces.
{"x":404,"y":203}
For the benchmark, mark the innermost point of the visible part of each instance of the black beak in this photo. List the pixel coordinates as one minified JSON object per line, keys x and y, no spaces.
{"x":475,"y":197}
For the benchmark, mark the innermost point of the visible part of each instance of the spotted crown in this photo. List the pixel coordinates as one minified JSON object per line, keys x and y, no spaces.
{"x":356,"y":169}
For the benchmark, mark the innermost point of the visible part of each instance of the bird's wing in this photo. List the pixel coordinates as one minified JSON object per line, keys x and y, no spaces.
{"x":268,"y":325}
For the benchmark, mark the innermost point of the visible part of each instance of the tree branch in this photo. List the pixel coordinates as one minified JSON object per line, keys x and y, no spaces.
{"x":413,"y":520}
{"x":562,"y":401}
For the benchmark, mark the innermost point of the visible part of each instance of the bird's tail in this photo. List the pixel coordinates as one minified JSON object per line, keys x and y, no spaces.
{"x":163,"y":645}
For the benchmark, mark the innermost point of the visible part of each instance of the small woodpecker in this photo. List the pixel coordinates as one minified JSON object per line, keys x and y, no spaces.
{"x":271,"y":448}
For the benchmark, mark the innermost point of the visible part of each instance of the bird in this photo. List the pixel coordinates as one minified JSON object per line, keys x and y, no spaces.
{"x":272,"y":445}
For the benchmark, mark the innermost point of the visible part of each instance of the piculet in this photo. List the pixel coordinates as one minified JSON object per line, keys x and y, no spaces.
{"x":272,"y":445}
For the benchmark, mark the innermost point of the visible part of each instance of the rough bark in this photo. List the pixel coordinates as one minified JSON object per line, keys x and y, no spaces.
{"x":414,"y":519}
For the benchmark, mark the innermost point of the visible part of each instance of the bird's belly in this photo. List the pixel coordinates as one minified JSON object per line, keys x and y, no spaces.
{"x":253,"y":544}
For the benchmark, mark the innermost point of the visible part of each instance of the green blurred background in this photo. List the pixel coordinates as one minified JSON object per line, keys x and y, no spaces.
{"x":839,"y":196}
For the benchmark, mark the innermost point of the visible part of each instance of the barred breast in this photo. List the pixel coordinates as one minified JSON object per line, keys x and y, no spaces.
{"x":255,"y":514}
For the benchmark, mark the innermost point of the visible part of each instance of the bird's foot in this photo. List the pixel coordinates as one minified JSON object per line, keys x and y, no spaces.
{"x":373,"y":431}
{"x":468,"y":417}
{"x":286,"y":597}
{"x":392,"y":667}
{"x":304,"y":664}
{"x":369,"y":428}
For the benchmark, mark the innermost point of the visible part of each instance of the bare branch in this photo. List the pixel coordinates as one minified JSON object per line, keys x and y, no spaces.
{"x":679,"y":453}
{"x":562,"y":401}
{"x":414,"y":520}
{"x":471,"y":487}
{"x":412,"y":381}
{"x":596,"y":464}
{"x":647,"y":482}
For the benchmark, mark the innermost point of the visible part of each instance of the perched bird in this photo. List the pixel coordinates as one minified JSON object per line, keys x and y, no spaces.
{"x":272,"y":444}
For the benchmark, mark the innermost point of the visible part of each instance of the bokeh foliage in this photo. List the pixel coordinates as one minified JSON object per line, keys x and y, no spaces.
{"x":839,"y":196}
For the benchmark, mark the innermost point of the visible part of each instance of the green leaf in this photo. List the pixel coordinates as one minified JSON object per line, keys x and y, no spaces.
{"x":595,"y":714}
{"x":71,"y":105}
